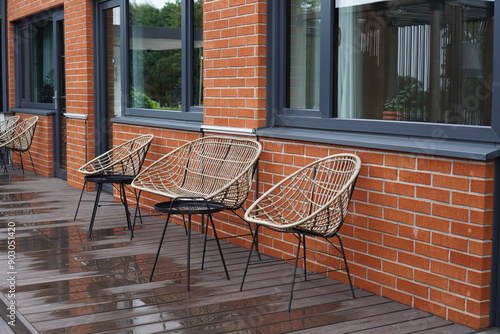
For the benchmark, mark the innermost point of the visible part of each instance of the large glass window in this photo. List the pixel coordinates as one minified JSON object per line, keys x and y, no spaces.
{"x":423,"y":63}
{"x":156,"y":54}
{"x":35,"y":63}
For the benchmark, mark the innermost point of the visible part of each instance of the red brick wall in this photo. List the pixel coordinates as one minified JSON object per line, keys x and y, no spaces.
{"x":79,"y":67}
{"x":420,"y":227}
{"x":235,"y":63}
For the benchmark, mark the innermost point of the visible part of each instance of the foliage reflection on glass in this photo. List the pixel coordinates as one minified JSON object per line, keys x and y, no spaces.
{"x":155,"y":54}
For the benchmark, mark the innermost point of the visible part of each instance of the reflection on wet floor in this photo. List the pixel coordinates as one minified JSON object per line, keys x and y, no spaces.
{"x":68,"y":283}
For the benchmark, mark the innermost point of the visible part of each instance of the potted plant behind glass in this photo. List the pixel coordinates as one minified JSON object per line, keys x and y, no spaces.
{"x":394,"y":106}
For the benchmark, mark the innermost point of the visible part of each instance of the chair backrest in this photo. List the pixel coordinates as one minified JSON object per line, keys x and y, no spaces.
{"x":217,"y":168}
{"x":125,"y":159}
{"x":20,"y":136}
{"x":7,"y":124}
{"x":314,"y":199}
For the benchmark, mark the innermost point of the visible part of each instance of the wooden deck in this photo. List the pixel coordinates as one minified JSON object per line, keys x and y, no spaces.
{"x":68,"y":283}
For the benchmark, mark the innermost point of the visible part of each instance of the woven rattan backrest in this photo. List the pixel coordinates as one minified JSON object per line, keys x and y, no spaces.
{"x":20,"y":136}
{"x":314,"y":199}
{"x":125,"y":159}
{"x":7,"y":124}
{"x":216,"y":168}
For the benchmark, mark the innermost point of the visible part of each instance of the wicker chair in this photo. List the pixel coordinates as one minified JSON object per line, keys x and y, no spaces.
{"x":18,"y":138}
{"x":313,"y":201}
{"x":215,"y":168}
{"x":7,"y":123}
{"x":118,"y":166}
{"x":5,"y":126}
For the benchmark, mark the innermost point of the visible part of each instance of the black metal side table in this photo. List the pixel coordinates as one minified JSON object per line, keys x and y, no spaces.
{"x":120,"y":180}
{"x":190,"y":206}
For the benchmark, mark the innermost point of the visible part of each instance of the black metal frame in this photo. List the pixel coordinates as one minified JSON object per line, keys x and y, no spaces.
{"x":301,"y":243}
{"x":190,"y":206}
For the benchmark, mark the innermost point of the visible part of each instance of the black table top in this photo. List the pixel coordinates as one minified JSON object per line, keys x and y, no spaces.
{"x":112,"y":178}
{"x":189,"y":207}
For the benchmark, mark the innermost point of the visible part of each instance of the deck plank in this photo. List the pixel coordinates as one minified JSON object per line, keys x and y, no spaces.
{"x":66,"y":282}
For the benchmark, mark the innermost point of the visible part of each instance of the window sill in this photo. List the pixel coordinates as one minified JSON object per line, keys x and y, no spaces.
{"x":427,"y":146}
{"x":158,"y":122}
{"x":33,"y":111}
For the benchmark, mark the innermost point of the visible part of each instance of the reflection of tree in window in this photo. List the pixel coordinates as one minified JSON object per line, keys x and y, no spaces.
{"x":155,"y":55}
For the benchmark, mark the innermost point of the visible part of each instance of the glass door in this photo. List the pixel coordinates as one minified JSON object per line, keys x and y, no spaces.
{"x":108,"y":83}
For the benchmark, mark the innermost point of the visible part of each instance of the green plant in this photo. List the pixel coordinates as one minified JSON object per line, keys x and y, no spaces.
{"x":397,"y":102}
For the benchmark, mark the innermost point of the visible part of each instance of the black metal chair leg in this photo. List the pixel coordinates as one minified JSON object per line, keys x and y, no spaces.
{"x":294,"y":273}
{"x":218,"y":245}
{"x":304,"y":256}
{"x":123,"y":198}
{"x":346,"y":266}
{"x":32,"y":164}
{"x":159,"y":248}
{"x":189,"y":254}
{"x":94,"y":211}
{"x":80,"y":200}
{"x":249,"y":257}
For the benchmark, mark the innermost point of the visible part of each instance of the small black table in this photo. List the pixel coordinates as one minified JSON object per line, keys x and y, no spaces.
{"x":121,"y":180}
{"x":190,"y":206}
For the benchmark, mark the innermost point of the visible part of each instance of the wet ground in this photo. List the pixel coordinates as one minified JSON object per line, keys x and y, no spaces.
{"x":61,"y":281}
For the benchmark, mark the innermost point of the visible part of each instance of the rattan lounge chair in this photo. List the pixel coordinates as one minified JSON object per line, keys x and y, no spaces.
{"x":214,"y":168}
{"x":313,"y":201}
{"x":7,"y":123}
{"x":5,"y":126}
{"x":118,"y":166}
{"x":18,"y":138}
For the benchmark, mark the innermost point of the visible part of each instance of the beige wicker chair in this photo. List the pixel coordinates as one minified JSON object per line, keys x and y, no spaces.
{"x":5,"y":126}
{"x":18,"y":138}
{"x":7,"y":123}
{"x":215,"y":168}
{"x":118,"y":166}
{"x":313,"y":201}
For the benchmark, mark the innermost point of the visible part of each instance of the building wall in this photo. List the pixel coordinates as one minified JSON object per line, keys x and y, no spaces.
{"x":420,"y":227}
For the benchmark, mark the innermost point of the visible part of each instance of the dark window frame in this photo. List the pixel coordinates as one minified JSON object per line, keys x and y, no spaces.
{"x":188,"y":112}
{"x":27,"y":24}
{"x":323,"y":119}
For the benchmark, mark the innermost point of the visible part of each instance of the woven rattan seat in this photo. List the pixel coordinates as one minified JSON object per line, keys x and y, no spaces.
{"x":18,"y":138}
{"x":118,"y":167}
{"x":313,"y":201}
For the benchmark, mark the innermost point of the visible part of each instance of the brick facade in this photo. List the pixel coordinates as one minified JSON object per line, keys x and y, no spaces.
{"x":420,"y":226}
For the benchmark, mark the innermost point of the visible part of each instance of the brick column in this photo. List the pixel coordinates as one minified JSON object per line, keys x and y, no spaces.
{"x":235,"y":63}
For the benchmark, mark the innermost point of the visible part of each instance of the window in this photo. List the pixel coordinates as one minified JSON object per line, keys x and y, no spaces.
{"x":426,"y":61}
{"x":162,"y":73}
{"x":362,"y":65}
{"x":35,"y":65}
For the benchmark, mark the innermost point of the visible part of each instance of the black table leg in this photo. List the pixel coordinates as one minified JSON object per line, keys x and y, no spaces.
{"x":96,"y":204}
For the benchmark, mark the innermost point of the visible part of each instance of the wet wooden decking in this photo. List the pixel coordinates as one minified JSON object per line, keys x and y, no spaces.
{"x":68,"y":283}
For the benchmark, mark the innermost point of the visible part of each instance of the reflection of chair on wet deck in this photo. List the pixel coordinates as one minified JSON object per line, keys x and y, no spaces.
{"x":313,"y":201}
{"x":117,"y":166}
{"x":18,"y":138}
{"x":215,"y":168}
